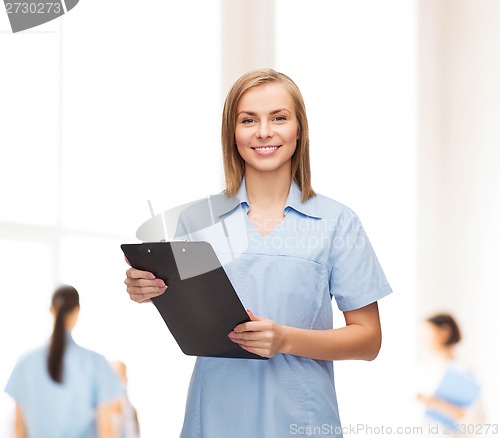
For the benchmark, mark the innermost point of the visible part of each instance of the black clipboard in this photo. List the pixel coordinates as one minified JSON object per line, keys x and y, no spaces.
{"x":200,"y":305}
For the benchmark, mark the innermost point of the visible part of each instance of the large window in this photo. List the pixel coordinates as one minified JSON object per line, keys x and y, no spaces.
{"x":102,"y":110}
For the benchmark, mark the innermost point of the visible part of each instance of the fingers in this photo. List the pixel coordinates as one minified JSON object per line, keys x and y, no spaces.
{"x":258,"y":329}
{"x":254,"y":326}
{"x":250,"y":326}
{"x":246,"y":337}
{"x":253,"y":317}
{"x":136,"y":273}
{"x":143,"y":297}
{"x":263,"y":339}
{"x":143,"y":285}
{"x":260,"y":336}
{"x":253,"y":343}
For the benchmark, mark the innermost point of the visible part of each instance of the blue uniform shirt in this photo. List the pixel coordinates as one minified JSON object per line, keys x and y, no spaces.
{"x":66,"y":410}
{"x":318,"y":251}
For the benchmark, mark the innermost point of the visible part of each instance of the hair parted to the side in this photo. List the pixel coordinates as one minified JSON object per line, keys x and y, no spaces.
{"x":234,"y":166}
{"x":445,"y":320}
{"x":64,"y":300}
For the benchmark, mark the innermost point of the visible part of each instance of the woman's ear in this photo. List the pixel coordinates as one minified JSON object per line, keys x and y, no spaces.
{"x":72,"y":318}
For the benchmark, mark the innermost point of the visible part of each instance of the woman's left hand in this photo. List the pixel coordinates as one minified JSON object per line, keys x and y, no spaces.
{"x":260,"y":336}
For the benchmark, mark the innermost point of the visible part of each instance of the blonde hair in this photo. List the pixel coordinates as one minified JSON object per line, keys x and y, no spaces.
{"x":234,"y":165}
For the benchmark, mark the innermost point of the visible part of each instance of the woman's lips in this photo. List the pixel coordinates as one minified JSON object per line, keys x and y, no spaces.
{"x":266,"y":150}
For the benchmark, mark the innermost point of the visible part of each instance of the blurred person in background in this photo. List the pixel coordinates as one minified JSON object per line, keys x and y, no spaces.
{"x":62,"y":390}
{"x":449,"y":392}
{"x":125,"y":419}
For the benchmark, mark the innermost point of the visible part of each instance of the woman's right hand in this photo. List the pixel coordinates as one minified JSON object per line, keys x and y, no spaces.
{"x":143,"y":285}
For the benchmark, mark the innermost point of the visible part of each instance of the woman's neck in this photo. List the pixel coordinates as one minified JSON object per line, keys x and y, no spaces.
{"x":267,"y":189}
{"x":445,"y":352}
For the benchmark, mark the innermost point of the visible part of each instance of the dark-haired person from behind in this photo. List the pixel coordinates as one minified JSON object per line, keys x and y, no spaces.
{"x":62,"y":390}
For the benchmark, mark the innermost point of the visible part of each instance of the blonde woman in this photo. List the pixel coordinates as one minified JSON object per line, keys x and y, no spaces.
{"x":302,"y":250}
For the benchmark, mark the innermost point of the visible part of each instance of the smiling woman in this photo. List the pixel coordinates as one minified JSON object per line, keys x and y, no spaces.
{"x":266,"y":139}
{"x":266,"y":132}
{"x":288,"y":288}
{"x":283,"y":120}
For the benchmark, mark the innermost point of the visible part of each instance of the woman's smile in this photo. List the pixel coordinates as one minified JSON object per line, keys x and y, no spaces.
{"x":266,"y":151}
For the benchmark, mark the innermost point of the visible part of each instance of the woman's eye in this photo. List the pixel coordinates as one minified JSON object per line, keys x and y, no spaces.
{"x":280,"y":118}
{"x":247,"y":121}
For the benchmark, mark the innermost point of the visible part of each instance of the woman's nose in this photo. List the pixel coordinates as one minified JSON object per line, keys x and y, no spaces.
{"x":264,"y":130}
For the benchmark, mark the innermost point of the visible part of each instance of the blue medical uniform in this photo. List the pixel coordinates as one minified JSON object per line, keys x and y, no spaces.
{"x":318,"y":251}
{"x":67,"y":409}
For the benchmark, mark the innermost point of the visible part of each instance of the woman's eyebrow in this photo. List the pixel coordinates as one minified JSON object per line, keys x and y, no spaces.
{"x":251,"y":113}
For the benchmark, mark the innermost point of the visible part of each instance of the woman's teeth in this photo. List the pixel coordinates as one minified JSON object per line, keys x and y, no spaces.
{"x":267,"y":148}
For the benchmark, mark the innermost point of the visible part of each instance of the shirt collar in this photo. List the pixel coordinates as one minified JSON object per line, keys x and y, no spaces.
{"x":293,"y":200}
{"x":307,"y":208}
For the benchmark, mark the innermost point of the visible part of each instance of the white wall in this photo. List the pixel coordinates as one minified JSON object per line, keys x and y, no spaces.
{"x":459,"y":178}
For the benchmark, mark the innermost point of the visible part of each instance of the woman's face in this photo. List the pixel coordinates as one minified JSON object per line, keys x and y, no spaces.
{"x":267,"y":129}
{"x":433,"y":336}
